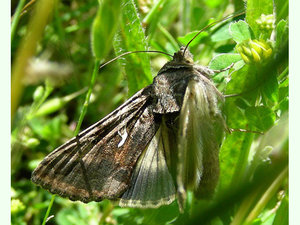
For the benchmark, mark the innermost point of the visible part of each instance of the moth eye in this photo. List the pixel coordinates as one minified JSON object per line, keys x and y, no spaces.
{"x":189,"y":60}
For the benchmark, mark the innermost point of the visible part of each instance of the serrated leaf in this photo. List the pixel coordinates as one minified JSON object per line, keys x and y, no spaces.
{"x":260,"y":117}
{"x":131,"y":38}
{"x":240,"y":31}
{"x":104,"y":27}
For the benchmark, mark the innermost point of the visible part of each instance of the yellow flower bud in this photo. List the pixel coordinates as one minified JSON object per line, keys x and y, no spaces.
{"x":254,"y":51}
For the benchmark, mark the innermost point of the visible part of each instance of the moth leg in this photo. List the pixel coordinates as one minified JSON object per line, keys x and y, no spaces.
{"x":208,"y":72}
{"x":232,"y":95}
{"x":204,"y":70}
{"x":225,"y":69}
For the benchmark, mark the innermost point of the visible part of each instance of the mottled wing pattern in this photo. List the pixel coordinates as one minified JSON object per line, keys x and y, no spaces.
{"x":151,"y":184}
{"x":201,"y":127}
{"x":98,"y":163}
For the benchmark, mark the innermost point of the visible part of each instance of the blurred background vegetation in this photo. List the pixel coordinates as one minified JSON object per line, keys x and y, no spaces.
{"x":57,"y":47}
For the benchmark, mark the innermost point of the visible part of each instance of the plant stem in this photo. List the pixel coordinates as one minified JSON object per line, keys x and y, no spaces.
{"x":27,"y":50}
{"x":244,"y":208}
{"x":87,"y":98}
{"x":168,"y":36}
{"x":16,"y":18}
{"x":153,"y":12}
{"x":48,"y":210}
{"x":241,"y":166}
{"x":269,"y":193}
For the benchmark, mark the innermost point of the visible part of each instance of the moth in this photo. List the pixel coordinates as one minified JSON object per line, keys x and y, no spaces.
{"x":159,"y":144}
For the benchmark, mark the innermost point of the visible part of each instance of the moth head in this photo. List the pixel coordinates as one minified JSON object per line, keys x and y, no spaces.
{"x":183,"y":56}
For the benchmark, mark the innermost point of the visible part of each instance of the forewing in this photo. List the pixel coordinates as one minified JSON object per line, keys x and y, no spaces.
{"x":151,"y":183}
{"x":201,"y":128}
{"x":98,"y":163}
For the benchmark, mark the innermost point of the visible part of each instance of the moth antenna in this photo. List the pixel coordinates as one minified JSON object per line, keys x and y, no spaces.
{"x":210,"y":25}
{"x":131,"y":52}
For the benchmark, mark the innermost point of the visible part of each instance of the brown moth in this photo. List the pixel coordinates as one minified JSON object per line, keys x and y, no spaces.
{"x":160,"y":143}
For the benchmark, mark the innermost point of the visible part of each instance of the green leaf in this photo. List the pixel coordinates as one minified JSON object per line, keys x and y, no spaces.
{"x":283,"y":91}
{"x":49,"y":130}
{"x":282,"y":9}
{"x":224,"y":60}
{"x":235,"y":148}
{"x":270,"y":90}
{"x":153,"y":12}
{"x":132,"y":38}
{"x":213,"y":3}
{"x":55,"y":104}
{"x":281,"y":34}
{"x":254,"y":10}
{"x":104,"y":27}
{"x":240,"y":31}
{"x":282,"y":214}
{"x":239,"y":64}
{"x":68,"y":216}
{"x":221,"y":34}
{"x":260,"y":117}
{"x":161,"y":216}
{"x":188,"y":37}
{"x":244,"y":81}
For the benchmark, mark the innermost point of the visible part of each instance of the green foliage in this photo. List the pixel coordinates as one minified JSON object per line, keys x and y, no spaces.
{"x":253,"y":186}
{"x":240,"y":31}
{"x":104,"y":26}
{"x":185,"y":39}
{"x":255,"y":9}
{"x":137,"y":66}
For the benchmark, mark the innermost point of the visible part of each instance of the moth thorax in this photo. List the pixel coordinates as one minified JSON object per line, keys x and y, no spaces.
{"x":182,"y":56}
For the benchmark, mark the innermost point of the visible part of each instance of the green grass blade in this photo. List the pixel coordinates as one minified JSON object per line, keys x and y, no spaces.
{"x":16,"y":19}
{"x":48,"y":210}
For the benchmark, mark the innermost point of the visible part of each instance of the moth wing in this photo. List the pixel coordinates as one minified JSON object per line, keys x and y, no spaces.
{"x":200,"y":133}
{"x":151,"y":184}
{"x":98,"y":163}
